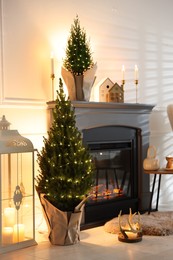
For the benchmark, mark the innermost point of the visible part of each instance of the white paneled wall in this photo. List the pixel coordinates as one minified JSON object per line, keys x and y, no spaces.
{"x":125,"y":32}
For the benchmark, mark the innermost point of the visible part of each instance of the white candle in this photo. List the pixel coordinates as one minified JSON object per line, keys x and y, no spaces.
{"x":131,"y":235}
{"x":52,"y":63}
{"x":19,"y":233}
{"x":123,"y":72}
{"x":9,"y":217}
{"x":136,"y":72}
{"x":7,"y":235}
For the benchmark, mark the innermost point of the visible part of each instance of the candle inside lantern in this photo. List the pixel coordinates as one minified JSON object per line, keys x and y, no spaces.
{"x":52,"y":63}
{"x":136,"y":72}
{"x":19,"y":233}
{"x":9,"y":217}
{"x":123,"y":71}
{"x":7,"y":235}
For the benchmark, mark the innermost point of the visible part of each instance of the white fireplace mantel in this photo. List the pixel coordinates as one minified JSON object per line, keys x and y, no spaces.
{"x":94,"y":114}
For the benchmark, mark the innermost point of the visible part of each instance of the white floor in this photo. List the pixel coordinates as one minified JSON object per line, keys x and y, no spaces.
{"x":96,"y":244}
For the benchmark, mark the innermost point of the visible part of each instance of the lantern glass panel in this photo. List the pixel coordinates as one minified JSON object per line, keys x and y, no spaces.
{"x":17,"y":198}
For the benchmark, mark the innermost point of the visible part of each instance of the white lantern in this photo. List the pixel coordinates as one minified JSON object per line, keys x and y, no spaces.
{"x":17,"y":225}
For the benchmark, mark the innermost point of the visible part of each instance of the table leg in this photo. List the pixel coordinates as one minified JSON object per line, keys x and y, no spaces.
{"x":158,"y":191}
{"x":152,"y":192}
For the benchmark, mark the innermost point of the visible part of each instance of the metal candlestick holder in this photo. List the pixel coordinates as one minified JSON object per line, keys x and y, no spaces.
{"x":52,"y":77}
{"x":123,"y":83}
{"x":136,"y":83}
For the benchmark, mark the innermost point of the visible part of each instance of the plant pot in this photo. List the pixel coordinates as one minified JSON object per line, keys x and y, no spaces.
{"x":78,"y":79}
{"x":79,"y":86}
{"x":63,"y":227}
{"x":69,"y":81}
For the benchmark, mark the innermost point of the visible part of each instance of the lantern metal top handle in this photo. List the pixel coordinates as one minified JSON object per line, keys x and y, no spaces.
{"x":11,"y":141}
{"x":4,"y":124}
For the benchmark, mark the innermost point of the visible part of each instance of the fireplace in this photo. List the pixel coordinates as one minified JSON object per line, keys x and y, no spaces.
{"x":119,"y":134}
{"x":116,"y":153}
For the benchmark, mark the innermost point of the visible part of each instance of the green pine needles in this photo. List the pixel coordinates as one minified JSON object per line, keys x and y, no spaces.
{"x":66,"y":167}
{"x":78,"y":53}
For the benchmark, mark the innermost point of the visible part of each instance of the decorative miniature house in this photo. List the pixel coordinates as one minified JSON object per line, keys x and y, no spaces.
{"x":104,"y":86}
{"x":116,"y":94}
{"x":17,"y":226}
{"x":110,"y":92}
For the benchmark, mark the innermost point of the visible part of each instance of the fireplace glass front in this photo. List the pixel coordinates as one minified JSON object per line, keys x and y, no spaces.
{"x":113,"y":170}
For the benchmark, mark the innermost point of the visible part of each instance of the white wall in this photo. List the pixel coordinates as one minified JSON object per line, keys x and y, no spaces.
{"x":125,"y":32}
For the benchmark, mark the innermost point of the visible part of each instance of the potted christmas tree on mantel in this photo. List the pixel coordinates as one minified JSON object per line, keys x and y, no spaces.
{"x":66,"y":174}
{"x":77,"y":63}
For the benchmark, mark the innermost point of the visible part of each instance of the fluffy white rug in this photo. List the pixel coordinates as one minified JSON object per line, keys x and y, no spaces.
{"x":156,"y":224}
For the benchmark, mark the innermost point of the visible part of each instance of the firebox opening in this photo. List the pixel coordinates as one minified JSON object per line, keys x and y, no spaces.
{"x":116,"y":152}
{"x":113,"y":170}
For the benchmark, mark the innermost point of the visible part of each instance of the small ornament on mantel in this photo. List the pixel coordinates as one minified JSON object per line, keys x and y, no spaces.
{"x":110,"y":92}
{"x":116,"y":94}
{"x":104,"y":86}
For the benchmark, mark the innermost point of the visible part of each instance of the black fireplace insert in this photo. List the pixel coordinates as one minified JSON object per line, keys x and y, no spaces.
{"x":116,"y":153}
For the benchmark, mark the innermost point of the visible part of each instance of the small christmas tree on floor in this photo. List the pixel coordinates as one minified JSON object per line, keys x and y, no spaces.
{"x":66,"y":168}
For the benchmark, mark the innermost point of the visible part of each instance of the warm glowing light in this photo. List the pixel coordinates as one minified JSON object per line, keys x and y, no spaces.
{"x":9,"y":217}
{"x":19,"y":233}
{"x":7,"y":235}
{"x":131,"y":232}
{"x":58,"y":44}
{"x":123,"y":72}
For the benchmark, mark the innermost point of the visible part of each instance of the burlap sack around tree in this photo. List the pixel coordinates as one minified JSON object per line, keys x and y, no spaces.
{"x":63,"y":227}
